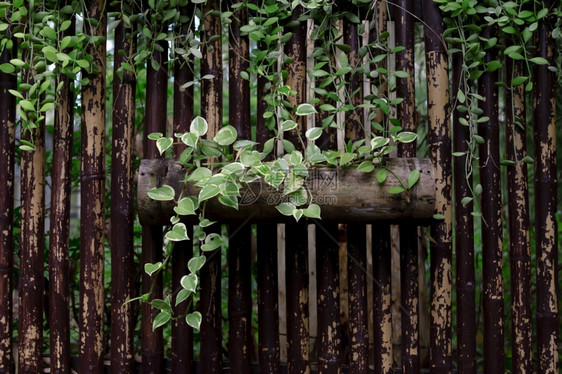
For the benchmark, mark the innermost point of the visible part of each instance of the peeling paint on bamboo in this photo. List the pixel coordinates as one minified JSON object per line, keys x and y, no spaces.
{"x":545,"y":204}
{"x":122,"y":206}
{"x":492,"y":251}
{"x":211,"y":110}
{"x":518,"y":205}
{"x":464,"y":239}
{"x":404,"y":28}
{"x":182,"y":333}
{"x":92,"y":213}
{"x":155,"y":121}
{"x":440,"y":151}
{"x":356,"y":234}
{"x":7,"y":146}
{"x":59,"y":313}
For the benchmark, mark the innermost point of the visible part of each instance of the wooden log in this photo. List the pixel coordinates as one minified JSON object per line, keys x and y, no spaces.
{"x":343,"y":194}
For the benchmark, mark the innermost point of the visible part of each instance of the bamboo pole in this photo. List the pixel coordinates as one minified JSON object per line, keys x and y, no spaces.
{"x":464,"y":237}
{"x":182,"y":333}
{"x":545,"y":204}
{"x":491,"y":225}
{"x":239,"y":255}
{"x":92,"y":213}
{"x":152,"y":240}
{"x":59,"y":313}
{"x":519,"y":240}
{"x":356,"y":233}
{"x":440,"y":152}
{"x":404,"y":28}
{"x":268,"y":288}
{"x":211,"y":110}
{"x":122,"y":204}
{"x":7,"y":145}
{"x":380,"y":234}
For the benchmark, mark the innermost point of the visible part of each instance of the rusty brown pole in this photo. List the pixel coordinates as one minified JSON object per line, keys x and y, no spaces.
{"x":404,"y":28}
{"x":327,"y":270}
{"x":7,"y":134}
{"x":356,"y":233}
{"x":296,"y":241}
{"x":59,"y":313}
{"x":122,"y":204}
{"x":32,"y":245}
{"x":92,"y":212}
{"x":518,"y":205}
{"x":380,"y":234}
{"x":491,"y":225}
{"x":464,"y":237}
{"x":268,"y":304}
{"x":211,"y":110}
{"x":152,"y":241}
{"x":182,"y":333}
{"x":545,"y":204}
{"x":239,"y":250}
{"x":440,"y":152}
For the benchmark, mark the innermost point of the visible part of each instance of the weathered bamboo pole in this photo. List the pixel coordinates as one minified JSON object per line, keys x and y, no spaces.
{"x":152,"y":241}
{"x":356,"y":233}
{"x":122,"y":203}
{"x":297,"y":233}
{"x":440,"y":152}
{"x":182,"y":333}
{"x":380,"y":238}
{"x":404,"y":28}
{"x":92,"y":212}
{"x":211,"y":110}
{"x":32,"y":245}
{"x":464,"y":237}
{"x":519,"y":241}
{"x":239,"y":255}
{"x":491,"y":224}
{"x":545,"y":204}
{"x":59,"y":313}
{"x":7,"y":145}
{"x":327,"y":267}
{"x":268,"y":304}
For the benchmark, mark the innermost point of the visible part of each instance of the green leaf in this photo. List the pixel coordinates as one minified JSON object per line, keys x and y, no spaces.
{"x":366,"y":167}
{"x":401,"y":74}
{"x":438,"y":216}
{"x":27,"y":105}
{"x":164,"y":193}
{"x":406,"y":137}
{"x":199,"y":126}
{"x":305,"y":109}
{"x":345,"y":158}
{"x":163,"y":144}
{"x":493,"y":65}
{"x":185,"y":207}
{"x":182,"y":296}
{"x":194,"y":319}
{"x":396,"y":190}
{"x":212,"y":242}
{"x":381,"y":176}
{"x":460,"y":96}
{"x":161,"y":304}
{"x":177,"y":233}
{"x":518,"y":80}
{"x":478,"y":190}
{"x":226,"y":136}
{"x":539,"y":60}
{"x":196,"y":263}
{"x":379,"y":141}
{"x":189,"y":282}
{"x":230,"y":201}
{"x":199,"y":174}
{"x":528,"y":160}
{"x":161,"y":319}
{"x":16,"y":94}
{"x":208,"y":192}
{"x":297,"y":213}
{"x":288,"y":125}
{"x":467,"y":199}
{"x":313,"y":133}
{"x":286,"y":208}
{"x":151,"y":268}
{"x":413,"y":178}
{"x":313,"y":211}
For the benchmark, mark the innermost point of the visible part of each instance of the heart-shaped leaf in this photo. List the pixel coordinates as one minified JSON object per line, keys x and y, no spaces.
{"x":207,"y":192}
{"x":226,"y":136}
{"x":196,"y":263}
{"x":164,"y":193}
{"x":194,"y":320}
{"x":286,"y":208}
{"x":313,"y":133}
{"x":366,"y":167}
{"x":182,"y":296}
{"x":413,"y":178}
{"x":161,"y":319}
{"x":163,"y":144}
{"x":313,"y":211}
{"x":177,"y":233}
{"x":305,"y":109}
{"x":151,"y":268}
{"x":189,"y":282}
{"x":185,"y":207}
{"x":212,"y":242}
{"x":199,"y":126}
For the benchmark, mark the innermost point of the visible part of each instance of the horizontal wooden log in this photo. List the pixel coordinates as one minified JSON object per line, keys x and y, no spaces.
{"x":344,"y":195}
